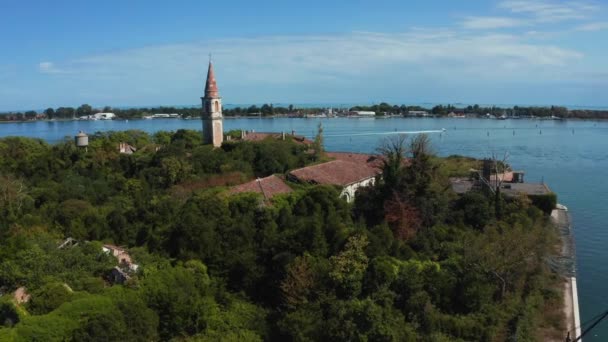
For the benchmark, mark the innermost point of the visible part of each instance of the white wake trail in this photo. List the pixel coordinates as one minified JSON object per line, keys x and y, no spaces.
{"x":383,"y":133}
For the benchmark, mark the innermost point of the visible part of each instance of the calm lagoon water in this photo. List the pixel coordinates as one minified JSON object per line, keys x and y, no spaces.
{"x":570,"y":156}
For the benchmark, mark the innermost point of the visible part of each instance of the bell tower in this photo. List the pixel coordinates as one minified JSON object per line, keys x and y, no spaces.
{"x":213,"y":127}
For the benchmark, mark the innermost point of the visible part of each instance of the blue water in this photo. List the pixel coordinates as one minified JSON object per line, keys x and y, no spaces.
{"x":570,"y":156}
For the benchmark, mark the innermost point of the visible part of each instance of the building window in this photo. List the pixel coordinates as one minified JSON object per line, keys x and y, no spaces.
{"x":216,"y":106}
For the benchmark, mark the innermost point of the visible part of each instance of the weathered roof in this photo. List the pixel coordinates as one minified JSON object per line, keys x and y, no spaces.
{"x":259,"y":136}
{"x":513,"y":189}
{"x":268,"y":187}
{"x":359,"y":158}
{"x":120,"y":253}
{"x":463,"y":185}
{"x":114,"y":247}
{"x":255,"y":136}
{"x":504,"y":177}
{"x":339,"y":172}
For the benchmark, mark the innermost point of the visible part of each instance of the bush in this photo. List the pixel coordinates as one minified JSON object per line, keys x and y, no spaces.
{"x":546,"y":203}
{"x":8,"y":313}
{"x":48,"y":298}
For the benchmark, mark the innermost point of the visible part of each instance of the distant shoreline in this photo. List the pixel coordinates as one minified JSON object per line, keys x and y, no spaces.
{"x":378,"y":117}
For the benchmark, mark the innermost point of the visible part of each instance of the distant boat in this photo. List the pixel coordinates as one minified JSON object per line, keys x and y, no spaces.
{"x":164,"y":116}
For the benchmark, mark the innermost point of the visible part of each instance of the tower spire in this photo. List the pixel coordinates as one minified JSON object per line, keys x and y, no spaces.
{"x":213,"y":128}
{"x":211,"y":85}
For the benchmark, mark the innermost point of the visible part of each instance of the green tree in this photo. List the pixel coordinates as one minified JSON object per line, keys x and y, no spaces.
{"x":365,"y":320}
{"x":318,"y":143}
{"x":349,"y":266}
{"x":50,"y":113}
{"x":178,"y":296}
{"x":84,"y":109}
{"x":101,"y":326}
{"x":9,"y":315}
{"x":30,"y":115}
{"x":49,"y":297}
{"x":476,"y":209}
{"x":298,"y":282}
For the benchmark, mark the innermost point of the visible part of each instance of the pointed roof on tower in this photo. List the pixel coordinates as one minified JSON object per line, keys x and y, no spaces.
{"x":211,"y":85}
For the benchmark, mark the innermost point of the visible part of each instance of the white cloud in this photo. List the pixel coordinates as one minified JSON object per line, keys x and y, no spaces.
{"x":532,"y":13}
{"x":483,"y":23}
{"x":594,"y":26}
{"x":545,"y":11}
{"x":48,"y":68}
{"x":288,"y":60}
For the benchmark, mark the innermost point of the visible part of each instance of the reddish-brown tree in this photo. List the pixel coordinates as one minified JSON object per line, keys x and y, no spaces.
{"x":403,"y":218}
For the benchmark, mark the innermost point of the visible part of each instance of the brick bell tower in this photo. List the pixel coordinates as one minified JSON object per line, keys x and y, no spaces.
{"x":213,"y":127}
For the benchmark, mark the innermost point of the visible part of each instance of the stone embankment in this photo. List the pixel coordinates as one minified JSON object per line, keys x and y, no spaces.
{"x":565,"y":265}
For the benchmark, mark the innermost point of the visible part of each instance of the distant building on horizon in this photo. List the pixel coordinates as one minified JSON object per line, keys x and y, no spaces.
{"x":363,"y":113}
{"x":213,"y":127}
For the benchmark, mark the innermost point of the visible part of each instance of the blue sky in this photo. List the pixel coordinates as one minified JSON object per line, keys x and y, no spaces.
{"x":132,"y":53}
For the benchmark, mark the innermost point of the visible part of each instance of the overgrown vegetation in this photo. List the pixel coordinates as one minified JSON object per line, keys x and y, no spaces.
{"x":408,"y":261}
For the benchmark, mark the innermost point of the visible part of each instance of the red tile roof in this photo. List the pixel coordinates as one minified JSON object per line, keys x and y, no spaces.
{"x":359,"y":158}
{"x":268,"y":187}
{"x":259,"y":136}
{"x":345,"y":170}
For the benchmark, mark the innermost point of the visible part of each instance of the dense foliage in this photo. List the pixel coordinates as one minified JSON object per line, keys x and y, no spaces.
{"x":408,"y":261}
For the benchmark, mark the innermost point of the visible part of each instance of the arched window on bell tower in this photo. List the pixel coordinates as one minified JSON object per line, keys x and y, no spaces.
{"x":216,"y":106}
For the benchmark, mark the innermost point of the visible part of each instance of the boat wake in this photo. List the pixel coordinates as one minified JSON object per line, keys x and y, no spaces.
{"x":384,"y":133}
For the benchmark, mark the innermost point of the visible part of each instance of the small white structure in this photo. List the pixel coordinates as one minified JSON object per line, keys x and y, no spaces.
{"x":363,"y":113}
{"x":350,"y":190}
{"x":124,"y":148}
{"x":104,"y":116}
{"x":82,"y":140}
{"x":421,"y":113}
{"x":164,"y":116}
